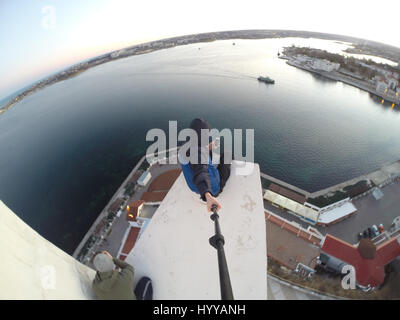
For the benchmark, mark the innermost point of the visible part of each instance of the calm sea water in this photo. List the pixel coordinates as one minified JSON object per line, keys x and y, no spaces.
{"x":66,"y":149}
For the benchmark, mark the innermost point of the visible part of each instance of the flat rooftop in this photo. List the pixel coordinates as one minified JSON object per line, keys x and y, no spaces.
{"x":174,"y":249}
{"x":290,"y":244}
{"x":291,"y":205}
{"x":156,"y":196}
{"x":130,"y":238}
{"x":369,"y":211}
{"x":337,"y":213}
{"x":164,"y":181}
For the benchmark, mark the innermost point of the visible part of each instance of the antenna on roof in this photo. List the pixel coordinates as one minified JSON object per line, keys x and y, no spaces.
{"x":218,"y":241}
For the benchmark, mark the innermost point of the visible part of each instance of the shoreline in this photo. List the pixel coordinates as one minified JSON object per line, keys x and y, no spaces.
{"x":380,"y":177}
{"x":384,"y":175}
{"x":374,"y":49}
{"x":104,"y":213}
{"x":336,"y":76}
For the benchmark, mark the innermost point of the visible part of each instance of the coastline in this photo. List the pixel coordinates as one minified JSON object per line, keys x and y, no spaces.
{"x":380,"y":177}
{"x":333,"y":75}
{"x":374,"y":49}
{"x":104,"y":212}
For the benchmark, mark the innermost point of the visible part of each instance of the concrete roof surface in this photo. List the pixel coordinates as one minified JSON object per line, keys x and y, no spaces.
{"x":174,"y":250}
{"x":337,"y":213}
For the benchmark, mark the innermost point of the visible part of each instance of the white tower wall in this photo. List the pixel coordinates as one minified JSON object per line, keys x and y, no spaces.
{"x":33,"y":268}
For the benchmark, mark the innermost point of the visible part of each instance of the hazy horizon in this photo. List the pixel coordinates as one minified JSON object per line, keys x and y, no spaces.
{"x":44,"y":37}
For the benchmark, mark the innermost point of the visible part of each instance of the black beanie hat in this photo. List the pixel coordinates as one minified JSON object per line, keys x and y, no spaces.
{"x":198,"y":124}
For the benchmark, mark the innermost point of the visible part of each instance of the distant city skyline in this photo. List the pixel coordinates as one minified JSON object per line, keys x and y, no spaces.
{"x":38,"y":38}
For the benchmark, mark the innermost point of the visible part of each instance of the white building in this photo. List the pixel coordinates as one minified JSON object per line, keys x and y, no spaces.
{"x":302,"y":58}
{"x":144,"y":178}
{"x":324,"y":65}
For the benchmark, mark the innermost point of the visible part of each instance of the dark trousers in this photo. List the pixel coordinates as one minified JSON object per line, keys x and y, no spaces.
{"x":224,"y":170}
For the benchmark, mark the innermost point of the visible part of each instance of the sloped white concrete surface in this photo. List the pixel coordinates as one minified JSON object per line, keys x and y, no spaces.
{"x":174,"y":250}
{"x":33,"y":268}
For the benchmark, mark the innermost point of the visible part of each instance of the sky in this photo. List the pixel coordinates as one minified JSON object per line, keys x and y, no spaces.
{"x":40,"y":37}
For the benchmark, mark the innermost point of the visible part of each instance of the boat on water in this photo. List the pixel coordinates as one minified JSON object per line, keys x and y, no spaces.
{"x":266,"y":79}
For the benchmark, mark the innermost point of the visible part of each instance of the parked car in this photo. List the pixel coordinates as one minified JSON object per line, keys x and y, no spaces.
{"x":375,"y":231}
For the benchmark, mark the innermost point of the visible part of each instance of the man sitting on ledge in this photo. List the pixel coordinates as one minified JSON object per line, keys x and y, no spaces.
{"x":204,"y":177}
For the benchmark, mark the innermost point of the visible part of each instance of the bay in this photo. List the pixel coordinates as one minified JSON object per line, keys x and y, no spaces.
{"x":66,"y":149}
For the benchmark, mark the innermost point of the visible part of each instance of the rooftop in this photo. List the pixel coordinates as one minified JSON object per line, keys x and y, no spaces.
{"x":160,"y":185}
{"x":129,"y":241}
{"x":164,"y":181}
{"x":157,"y":196}
{"x":187,"y":259}
{"x":368,"y":264}
{"x":135,"y":204}
{"x":306,"y":213}
{"x":133,"y":208}
{"x":290,"y":244}
{"x":145,"y":175}
{"x":335,"y":214}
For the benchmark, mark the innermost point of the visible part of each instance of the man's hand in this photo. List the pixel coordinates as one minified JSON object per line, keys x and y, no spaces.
{"x":107,"y":253}
{"x":210,"y":201}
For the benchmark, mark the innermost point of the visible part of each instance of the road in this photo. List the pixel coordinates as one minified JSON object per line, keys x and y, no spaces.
{"x":369,"y":212}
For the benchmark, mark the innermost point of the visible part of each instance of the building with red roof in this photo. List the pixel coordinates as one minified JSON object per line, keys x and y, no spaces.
{"x":128,"y":242}
{"x":290,"y":244}
{"x":368,"y":260}
{"x":155,"y":193}
{"x":136,"y":223}
{"x":164,"y":181}
{"x":154,"y":197}
{"x":133,"y":209}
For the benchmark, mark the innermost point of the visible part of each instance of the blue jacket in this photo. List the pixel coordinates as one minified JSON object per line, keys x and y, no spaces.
{"x":201,"y":178}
